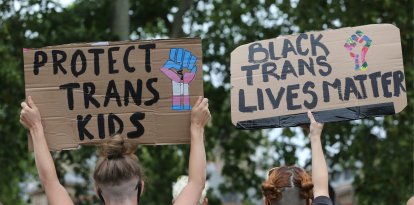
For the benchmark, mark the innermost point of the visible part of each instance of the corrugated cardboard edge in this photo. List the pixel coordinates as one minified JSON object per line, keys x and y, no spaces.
{"x":112,"y":43}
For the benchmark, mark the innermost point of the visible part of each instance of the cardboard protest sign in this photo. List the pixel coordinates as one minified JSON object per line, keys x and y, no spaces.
{"x":143,"y":89}
{"x":342,"y":74}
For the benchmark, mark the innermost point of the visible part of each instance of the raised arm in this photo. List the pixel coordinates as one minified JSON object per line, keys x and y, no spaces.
{"x":319,"y":168}
{"x":191,"y":194}
{"x":55,"y":192}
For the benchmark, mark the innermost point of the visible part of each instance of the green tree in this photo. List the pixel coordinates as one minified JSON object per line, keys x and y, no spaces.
{"x":384,"y":168}
{"x":383,"y":162}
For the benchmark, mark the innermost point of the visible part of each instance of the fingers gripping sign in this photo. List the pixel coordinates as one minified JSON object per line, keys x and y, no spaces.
{"x":315,"y":128}
{"x":29,"y":115}
{"x":181,"y":69}
{"x":200,"y":115}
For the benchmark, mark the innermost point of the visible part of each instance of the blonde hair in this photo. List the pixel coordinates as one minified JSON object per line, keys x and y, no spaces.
{"x":117,"y":163}
{"x":181,"y":183}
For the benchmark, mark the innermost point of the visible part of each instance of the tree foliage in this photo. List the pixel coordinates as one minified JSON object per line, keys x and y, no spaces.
{"x":379,"y":151}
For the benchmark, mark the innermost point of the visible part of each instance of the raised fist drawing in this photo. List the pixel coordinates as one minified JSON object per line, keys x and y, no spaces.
{"x":359,"y":58}
{"x":181,"y":66}
{"x":181,"y":69}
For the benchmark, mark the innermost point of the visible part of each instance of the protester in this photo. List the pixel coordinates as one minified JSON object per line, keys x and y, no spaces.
{"x":181,"y":183}
{"x":118,"y":177}
{"x":291,"y":185}
{"x":410,"y":201}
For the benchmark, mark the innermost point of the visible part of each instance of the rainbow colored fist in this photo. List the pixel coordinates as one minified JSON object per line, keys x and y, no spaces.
{"x":351,"y":44}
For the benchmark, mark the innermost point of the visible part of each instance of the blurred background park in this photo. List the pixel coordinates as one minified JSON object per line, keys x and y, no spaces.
{"x":370,"y":161}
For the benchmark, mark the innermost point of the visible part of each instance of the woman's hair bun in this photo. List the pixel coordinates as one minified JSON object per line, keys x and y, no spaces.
{"x":117,"y":147}
{"x":307,"y":185}
{"x":117,"y":162}
{"x":271,"y":192}
{"x":284,"y":178}
{"x":307,"y":190}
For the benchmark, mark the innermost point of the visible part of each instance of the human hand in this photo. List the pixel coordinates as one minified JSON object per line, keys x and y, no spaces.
{"x":315,"y":128}
{"x":200,"y":113}
{"x":205,"y":201}
{"x":29,"y":115}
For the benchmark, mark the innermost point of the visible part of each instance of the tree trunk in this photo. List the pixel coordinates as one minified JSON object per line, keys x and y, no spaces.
{"x":120,"y":19}
{"x":177,"y":25}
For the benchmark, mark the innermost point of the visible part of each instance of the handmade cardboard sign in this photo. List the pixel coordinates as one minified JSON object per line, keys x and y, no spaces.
{"x":342,"y":74}
{"x":143,"y":89}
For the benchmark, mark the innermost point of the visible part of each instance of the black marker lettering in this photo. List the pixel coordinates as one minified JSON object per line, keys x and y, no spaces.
{"x":306,"y":90}
{"x":155,"y":94}
{"x":249,"y":72}
{"x":266,"y":71}
{"x":260,"y":102}
{"x":275,"y":101}
{"x":147,"y":48}
{"x":112,"y":92}
{"x":398,"y":77}
{"x":73,"y":63}
{"x":350,"y":87}
{"x":135,"y":118}
{"x":321,"y":60}
{"x":57,"y":62}
{"x":287,"y":69}
{"x":130,"y":91}
{"x":257,"y":48}
{"x":96,"y":52}
{"x":272,"y":51}
{"x":299,"y":44}
{"x":70,"y":87}
{"x":361,"y":79}
{"x":126,"y":57}
{"x":111,"y":124}
{"x":316,"y":43}
{"x":242,"y":103}
{"x":88,"y":92}
{"x":37,"y":62}
{"x":101,"y":126}
{"x":374,"y":82}
{"x":335,"y":85}
{"x":82,"y":122}
{"x":288,"y":47}
{"x":291,"y":95}
{"x":310,"y":67}
{"x":386,"y":81}
{"x":111,"y":60}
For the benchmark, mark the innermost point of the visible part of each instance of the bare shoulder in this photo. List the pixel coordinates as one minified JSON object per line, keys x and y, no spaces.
{"x":410,"y":201}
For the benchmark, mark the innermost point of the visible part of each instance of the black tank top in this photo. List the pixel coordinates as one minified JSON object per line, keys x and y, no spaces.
{"x":322,"y":200}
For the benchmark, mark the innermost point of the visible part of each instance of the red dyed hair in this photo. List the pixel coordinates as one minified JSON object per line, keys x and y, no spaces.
{"x":287,"y":176}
